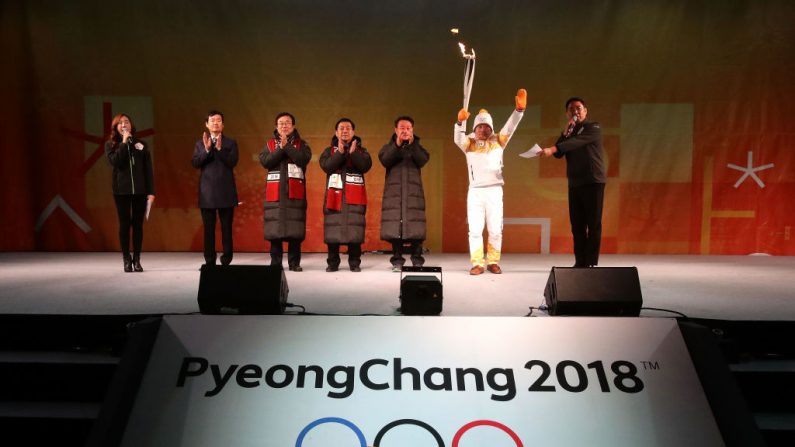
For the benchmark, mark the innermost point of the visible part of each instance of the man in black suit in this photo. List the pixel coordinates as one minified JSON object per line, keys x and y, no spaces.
{"x":581,"y":144}
{"x":216,"y":155}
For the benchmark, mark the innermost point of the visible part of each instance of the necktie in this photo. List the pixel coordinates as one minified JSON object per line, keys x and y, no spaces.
{"x":569,"y":130}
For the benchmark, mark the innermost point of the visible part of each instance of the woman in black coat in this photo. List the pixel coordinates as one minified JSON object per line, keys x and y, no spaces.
{"x":133,"y":186}
{"x":345,"y":204}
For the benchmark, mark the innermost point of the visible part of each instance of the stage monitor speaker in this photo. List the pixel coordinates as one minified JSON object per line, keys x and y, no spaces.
{"x":596,"y":291}
{"x":421,"y":294}
{"x":242,"y":290}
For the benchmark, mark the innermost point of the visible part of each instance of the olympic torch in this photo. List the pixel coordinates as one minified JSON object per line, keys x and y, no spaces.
{"x":469,"y":71}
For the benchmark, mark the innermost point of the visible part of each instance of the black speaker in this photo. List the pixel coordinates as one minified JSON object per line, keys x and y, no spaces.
{"x":421,"y":294}
{"x":242,"y":289}
{"x":596,"y":291}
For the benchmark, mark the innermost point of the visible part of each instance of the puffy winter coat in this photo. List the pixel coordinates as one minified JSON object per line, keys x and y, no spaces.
{"x":345,"y":201}
{"x":403,"y":204}
{"x":285,"y":188}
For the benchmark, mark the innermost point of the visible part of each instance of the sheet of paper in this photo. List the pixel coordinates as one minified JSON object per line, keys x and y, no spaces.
{"x":148,"y":208}
{"x":532,"y":152}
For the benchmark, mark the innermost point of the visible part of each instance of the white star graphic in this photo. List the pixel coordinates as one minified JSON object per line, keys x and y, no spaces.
{"x":750,"y":171}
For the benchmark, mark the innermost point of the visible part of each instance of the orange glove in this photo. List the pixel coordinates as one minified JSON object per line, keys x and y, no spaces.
{"x":463,"y":115}
{"x":521,"y":100}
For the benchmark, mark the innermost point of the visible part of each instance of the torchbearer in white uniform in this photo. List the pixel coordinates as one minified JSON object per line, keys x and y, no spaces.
{"x":483,"y":149}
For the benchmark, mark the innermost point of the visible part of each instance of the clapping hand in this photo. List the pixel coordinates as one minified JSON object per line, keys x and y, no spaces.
{"x":207,"y":141}
{"x":405,"y":143}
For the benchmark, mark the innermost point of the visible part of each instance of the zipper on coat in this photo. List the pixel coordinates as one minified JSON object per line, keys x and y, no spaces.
{"x":343,"y":210}
{"x":472,"y":173}
{"x":132,"y":163}
{"x":404,"y":196}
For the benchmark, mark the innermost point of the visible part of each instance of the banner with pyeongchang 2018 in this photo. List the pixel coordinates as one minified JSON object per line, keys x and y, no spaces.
{"x":313,"y":381}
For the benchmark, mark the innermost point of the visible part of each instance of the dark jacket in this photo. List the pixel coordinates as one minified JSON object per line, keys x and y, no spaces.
{"x":132,"y":167}
{"x":583,"y":152}
{"x":217,"y":180}
{"x":345,"y":226}
{"x":285,"y":217}
{"x":403,"y":204}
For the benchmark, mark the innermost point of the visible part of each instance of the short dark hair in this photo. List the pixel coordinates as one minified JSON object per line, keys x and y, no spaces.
{"x":345,"y":120}
{"x":572,"y":99}
{"x":404,"y":118}
{"x":276,"y":121}
{"x":212,"y":113}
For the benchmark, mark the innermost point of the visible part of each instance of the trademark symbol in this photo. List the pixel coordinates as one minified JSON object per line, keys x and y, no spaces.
{"x":650,"y":365}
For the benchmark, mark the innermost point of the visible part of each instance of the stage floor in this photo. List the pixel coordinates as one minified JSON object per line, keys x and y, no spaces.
{"x":713,"y":287}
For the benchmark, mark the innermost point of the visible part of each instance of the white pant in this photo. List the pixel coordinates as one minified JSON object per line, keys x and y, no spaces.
{"x":485,"y":205}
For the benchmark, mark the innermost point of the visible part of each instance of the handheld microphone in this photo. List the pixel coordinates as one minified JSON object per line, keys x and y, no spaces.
{"x":573,"y":123}
{"x":129,"y":138}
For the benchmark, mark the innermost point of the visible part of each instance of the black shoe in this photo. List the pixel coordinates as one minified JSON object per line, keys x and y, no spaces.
{"x":296,"y":268}
{"x":128,"y":264}
{"x":225,"y":260}
{"x":356,"y":268}
{"x":332,"y":269}
{"x":136,"y":264}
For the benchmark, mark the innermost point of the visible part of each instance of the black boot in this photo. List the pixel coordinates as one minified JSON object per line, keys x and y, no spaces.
{"x":136,"y":263}
{"x":127,"y":262}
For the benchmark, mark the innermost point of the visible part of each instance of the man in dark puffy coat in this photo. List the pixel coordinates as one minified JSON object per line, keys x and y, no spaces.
{"x":403,"y":205}
{"x":286,"y":157}
{"x":345,"y":203}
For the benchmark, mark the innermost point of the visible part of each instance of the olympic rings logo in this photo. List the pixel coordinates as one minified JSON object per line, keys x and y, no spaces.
{"x":299,"y":442}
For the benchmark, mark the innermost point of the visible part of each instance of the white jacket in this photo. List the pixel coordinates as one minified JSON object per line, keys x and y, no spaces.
{"x":484,"y":158}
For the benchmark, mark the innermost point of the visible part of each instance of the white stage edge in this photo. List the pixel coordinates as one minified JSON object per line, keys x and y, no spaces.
{"x":714,"y":287}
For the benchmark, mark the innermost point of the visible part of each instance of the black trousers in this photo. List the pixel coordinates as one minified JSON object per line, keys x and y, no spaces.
{"x":354,"y":255}
{"x":585,"y":215}
{"x":131,"y":209}
{"x":293,"y":252}
{"x":398,"y":248}
{"x":226,"y":216}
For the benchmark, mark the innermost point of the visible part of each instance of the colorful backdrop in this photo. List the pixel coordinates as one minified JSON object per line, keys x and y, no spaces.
{"x":693,"y":96}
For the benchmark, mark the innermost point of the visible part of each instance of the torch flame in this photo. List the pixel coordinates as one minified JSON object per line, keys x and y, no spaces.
{"x":464,"y":51}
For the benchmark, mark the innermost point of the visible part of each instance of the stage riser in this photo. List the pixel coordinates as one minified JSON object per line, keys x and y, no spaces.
{"x":55,"y":372}
{"x":767,"y":389}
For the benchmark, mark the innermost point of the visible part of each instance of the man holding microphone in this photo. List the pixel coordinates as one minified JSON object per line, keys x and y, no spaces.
{"x":581,"y":144}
